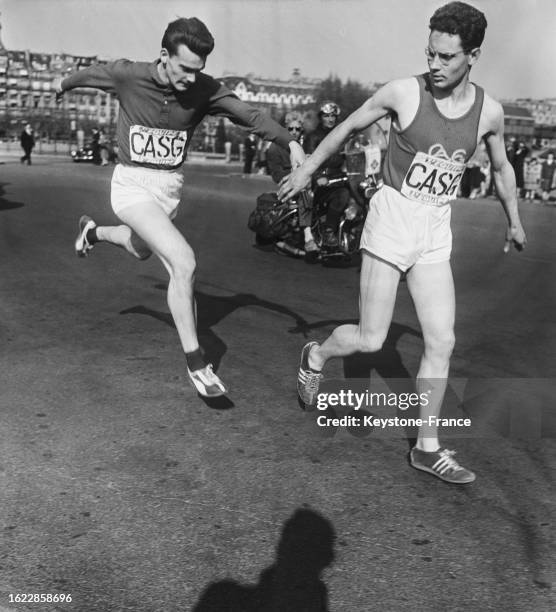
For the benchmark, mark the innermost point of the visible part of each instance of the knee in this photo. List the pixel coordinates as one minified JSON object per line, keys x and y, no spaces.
{"x":371,"y":342}
{"x":441,"y":345}
{"x":182,"y":266}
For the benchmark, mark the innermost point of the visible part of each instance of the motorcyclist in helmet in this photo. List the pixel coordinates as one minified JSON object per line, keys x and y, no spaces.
{"x":279,"y":166}
{"x":336,"y":197}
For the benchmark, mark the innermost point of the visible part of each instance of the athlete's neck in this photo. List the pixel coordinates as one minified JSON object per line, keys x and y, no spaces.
{"x":160,"y":68}
{"x":457,"y":100}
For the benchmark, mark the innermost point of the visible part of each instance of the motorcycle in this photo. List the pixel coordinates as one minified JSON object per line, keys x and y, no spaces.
{"x":277,"y":223}
{"x":361,"y":178}
{"x":352,"y":219}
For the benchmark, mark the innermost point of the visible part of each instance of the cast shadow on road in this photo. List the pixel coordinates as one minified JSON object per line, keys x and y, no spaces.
{"x":211,"y":309}
{"x":7,"y":204}
{"x":293,"y":583}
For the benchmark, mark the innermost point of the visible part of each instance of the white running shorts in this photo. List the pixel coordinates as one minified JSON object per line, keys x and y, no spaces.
{"x":404,"y":232}
{"x":134,"y":185}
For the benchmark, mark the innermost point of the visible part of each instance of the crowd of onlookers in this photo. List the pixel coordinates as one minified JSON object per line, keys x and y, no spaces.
{"x":534,"y":173}
{"x":539,"y":178}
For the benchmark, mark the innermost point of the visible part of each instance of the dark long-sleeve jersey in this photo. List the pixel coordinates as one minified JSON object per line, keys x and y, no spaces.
{"x":156,"y":122}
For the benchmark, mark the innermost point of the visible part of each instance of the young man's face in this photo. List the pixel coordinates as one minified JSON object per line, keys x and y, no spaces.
{"x":182,"y":68}
{"x":448,"y":63}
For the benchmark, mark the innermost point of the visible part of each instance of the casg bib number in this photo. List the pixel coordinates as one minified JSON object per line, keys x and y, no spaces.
{"x":157,"y":146}
{"x":432,"y":180}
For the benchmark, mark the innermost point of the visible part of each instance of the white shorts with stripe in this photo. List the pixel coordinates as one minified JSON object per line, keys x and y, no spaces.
{"x":404,"y":232}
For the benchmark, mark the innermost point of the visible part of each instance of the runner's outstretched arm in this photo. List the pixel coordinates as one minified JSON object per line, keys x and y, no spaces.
{"x":99,"y":76}
{"x":380,"y":105}
{"x":260,"y":123}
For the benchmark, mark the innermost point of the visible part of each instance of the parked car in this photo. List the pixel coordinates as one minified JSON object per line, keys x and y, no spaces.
{"x":85,"y":154}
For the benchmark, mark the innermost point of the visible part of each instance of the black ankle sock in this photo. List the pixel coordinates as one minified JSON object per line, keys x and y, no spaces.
{"x":92,"y":236}
{"x":195,"y":360}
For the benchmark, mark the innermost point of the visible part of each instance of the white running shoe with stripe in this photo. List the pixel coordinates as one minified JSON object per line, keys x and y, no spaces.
{"x":207,"y":382}
{"x":442,"y":465}
{"x":82,"y":245}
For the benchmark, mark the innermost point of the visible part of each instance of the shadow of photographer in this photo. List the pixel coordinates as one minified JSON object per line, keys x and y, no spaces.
{"x":293,"y":583}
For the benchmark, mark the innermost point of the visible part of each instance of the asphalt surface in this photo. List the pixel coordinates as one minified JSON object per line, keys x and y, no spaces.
{"x":124,"y":489}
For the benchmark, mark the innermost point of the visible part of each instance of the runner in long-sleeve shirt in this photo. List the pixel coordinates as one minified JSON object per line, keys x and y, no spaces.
{"x":161,"y":104}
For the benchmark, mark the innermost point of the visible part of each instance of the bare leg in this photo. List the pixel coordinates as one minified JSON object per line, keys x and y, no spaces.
{"x":378,"y":286}
{"x":432,"y":289}
{"x":153,"y":226}
{"x":123,"y":236}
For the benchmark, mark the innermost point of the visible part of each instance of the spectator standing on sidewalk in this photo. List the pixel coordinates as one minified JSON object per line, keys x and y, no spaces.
{"x":547,"y":176}
{"x":532,"y":178}
{"x":250,"y":147}
{"x":518,"y":163}
{"x":27,"y":143}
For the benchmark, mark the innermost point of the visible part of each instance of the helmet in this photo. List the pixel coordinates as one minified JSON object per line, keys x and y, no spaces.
{"x":329,"y":108}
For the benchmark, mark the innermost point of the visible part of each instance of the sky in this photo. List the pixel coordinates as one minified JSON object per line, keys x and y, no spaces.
{"x":366,"y":40}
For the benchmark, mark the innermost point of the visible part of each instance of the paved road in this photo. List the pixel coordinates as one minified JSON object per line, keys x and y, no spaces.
{"x":124,"y":489}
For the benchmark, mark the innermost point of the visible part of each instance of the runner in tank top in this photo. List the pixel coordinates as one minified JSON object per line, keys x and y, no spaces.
{"x":437,"y":121}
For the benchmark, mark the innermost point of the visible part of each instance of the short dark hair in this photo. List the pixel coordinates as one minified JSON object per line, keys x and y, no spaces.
{"x":462,"y":19}
{"x":192,"y":33}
